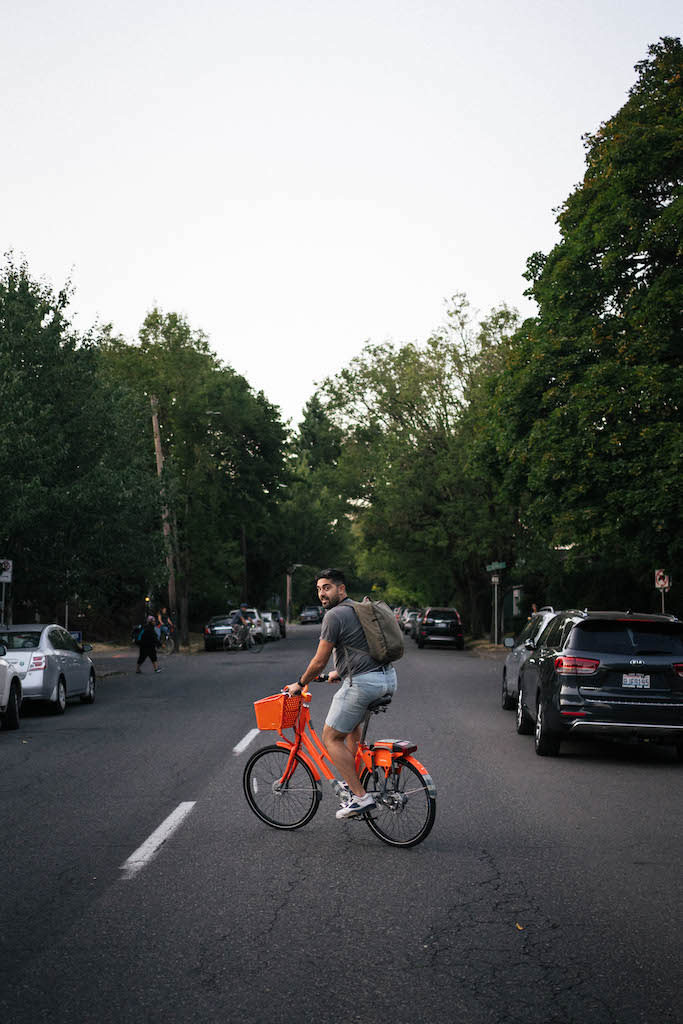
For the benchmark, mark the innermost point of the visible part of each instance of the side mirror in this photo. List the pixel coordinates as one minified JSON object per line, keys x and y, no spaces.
{"x":86,"y":647}
{"x":530,"y":645}
{"x":3,"y":650}
{"x":509,"y":641}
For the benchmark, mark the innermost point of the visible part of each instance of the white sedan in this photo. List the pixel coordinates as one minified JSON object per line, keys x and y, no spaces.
{"x":10,"y":692}
{"x":52,"y":665}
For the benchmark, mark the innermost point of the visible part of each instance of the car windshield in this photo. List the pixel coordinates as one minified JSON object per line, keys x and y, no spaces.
{"x":20,"y":641}
{"x":220,"y":622}
{"x":443,"y":613}
{"x":630,"y":637}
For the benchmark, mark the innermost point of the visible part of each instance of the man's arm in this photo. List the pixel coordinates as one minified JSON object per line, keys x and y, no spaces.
{"x":315,"y":666}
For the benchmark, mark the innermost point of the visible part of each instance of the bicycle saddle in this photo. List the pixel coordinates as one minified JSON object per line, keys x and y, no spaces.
{"x":381,"y":702}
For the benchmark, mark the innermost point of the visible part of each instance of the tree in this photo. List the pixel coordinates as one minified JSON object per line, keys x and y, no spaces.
{"x":76,"y":500}
{"x":425,"y":519}
{"x":223,"y":462}
{"x":586,"y":417}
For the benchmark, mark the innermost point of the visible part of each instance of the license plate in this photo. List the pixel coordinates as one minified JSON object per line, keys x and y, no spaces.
{"x":636,"y":681}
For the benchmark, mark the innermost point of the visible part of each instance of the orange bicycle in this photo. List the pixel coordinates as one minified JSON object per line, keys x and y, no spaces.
{"x":282,"y":782}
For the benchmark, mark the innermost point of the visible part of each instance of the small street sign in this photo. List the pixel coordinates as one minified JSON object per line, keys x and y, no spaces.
{"x":5,"y":570}
{"x":495,"y":580}
{"x":494,"y":566}
{"x":662,"y":581}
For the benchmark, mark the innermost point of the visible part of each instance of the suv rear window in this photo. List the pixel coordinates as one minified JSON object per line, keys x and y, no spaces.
{"x":442,"y":613}
{"x":629,"y":637}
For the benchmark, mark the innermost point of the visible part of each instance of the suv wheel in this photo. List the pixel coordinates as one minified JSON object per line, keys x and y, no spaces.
{"x":524,"y":726}
{"x":506,"y":701}
{"x":546,"y":742}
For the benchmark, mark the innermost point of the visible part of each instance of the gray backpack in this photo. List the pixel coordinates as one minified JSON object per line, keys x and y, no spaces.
{"x":382,"y":631}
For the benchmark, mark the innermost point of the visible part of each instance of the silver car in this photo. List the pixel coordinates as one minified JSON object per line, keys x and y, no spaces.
{"x":521,"y":647}
{"x":272,"y":628}
{"x":52,"y":665}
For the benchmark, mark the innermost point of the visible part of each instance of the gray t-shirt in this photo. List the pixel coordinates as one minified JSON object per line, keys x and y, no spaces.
{"x":342,"y":628}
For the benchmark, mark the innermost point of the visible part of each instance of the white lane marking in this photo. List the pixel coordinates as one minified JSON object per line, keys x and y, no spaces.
{"x":144,"y":854}
{"x":245,"y":741}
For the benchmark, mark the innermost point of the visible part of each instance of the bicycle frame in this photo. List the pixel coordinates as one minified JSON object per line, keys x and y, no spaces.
{"x":307,"y":747}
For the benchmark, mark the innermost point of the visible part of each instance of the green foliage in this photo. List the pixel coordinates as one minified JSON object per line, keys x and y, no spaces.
{"x":75,"y":501}
{"x":223,"y":462}
{"x":586,"y":420}
{"x":424,"y":515}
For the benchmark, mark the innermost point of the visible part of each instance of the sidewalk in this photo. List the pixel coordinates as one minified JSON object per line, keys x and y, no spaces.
{"x":485,"y":649}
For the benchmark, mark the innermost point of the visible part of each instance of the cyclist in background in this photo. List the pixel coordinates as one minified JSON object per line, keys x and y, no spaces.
{"x":363,"y":680}
{"x":165,"y":622}
{"x":240,"y":623}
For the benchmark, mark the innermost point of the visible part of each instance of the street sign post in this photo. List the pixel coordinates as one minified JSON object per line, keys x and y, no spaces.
{"x":495,"y":568}
{"x":662,"y":583}
{"x":5,"y":577}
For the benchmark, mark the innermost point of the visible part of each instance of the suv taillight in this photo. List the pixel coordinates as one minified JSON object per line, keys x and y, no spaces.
{"x":37,"y":663}
{"x":565,"y":666}
{"x":678,"y":668}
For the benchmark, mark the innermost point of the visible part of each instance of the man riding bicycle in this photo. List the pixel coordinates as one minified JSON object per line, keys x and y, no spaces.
{"x":363,"y":680}
{"x":165,"y":622}
{"x":240,"y":623}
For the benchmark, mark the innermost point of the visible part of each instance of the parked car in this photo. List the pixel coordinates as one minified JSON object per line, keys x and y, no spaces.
{"x":53,"y":665}
{"x":604,"y":674}
{"x":442,"y":626}
{"x":405,"y":617}
{"x":10,"y":692}
{"x":520,"y":648}
{"x":310,"y":614}
{"x":271,"y":627}
{"x":256,"y":622}
{"x":281,"y":621}
{"x":413,"y":624}
{"x":215,"y":632}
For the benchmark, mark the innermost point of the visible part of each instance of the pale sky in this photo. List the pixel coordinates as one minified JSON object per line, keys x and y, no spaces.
{"x":297,"y":178}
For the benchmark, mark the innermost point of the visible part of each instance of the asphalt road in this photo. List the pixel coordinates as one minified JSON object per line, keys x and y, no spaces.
{"x":548,"y":890}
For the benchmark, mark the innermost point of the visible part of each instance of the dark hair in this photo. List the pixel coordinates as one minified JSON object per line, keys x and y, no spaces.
{"x":336,"y":575}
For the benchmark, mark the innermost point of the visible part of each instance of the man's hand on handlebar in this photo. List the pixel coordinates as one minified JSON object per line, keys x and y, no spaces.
{"x":294,"y":689}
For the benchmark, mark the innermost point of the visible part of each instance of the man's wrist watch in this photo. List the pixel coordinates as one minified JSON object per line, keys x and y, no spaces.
{"x":300,"y":684}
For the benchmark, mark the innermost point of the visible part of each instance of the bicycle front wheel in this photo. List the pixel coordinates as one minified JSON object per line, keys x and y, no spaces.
{"x":255,"y":643}
{"x":286,"y":805}
{"x":167,"y":645}
{"x":406,"y":803}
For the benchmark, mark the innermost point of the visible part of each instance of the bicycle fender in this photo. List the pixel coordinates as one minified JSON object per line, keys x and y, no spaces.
{"x":424,"y":773}
{"x":302,"y":757}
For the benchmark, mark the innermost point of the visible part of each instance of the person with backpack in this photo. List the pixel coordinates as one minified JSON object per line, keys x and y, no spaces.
{"x":148,"y":640}
{"x":365,"y":640}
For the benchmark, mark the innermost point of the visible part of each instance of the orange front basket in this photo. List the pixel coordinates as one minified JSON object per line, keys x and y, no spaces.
{"x":277,"y":712}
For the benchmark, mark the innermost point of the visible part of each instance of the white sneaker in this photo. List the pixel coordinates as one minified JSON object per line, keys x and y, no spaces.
{"x":357,"y":806}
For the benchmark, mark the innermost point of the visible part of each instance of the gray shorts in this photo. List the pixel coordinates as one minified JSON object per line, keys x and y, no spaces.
{"x":351,"y":700}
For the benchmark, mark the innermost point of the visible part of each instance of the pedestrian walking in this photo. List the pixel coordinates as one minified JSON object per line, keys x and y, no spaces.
{"x":148,"y":644}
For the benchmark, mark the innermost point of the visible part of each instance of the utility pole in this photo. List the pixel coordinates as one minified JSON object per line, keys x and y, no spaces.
{"x":168,"y":540}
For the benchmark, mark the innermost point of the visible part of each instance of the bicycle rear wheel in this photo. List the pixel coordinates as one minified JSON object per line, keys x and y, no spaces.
{"x":406,"y":807}
{"x":287,"y":806}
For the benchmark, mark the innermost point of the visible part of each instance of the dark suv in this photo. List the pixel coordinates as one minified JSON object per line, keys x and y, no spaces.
{"x":604,"y":674}
{"x":440,"y":625}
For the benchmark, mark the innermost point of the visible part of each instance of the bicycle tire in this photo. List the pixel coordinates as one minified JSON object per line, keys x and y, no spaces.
{"x":405,"y":813}
{"x":167,"y":645}
{"x":255,"y":644}
{"x":289,"y":807}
